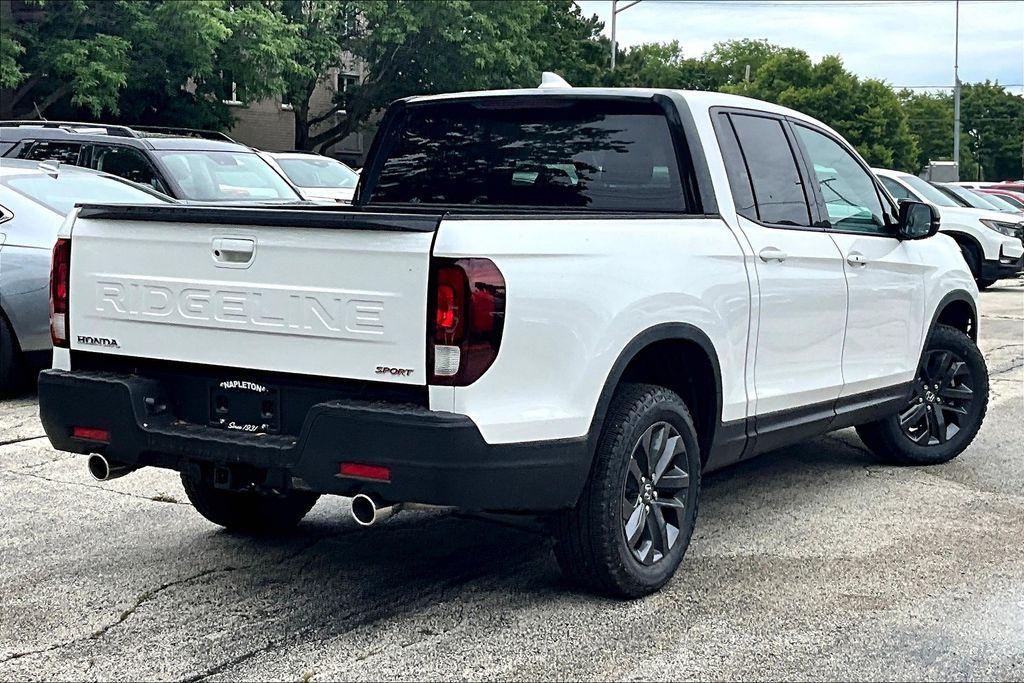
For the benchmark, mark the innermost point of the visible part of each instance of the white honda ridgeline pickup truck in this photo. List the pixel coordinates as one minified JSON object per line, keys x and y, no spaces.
{"x":561,"y":301}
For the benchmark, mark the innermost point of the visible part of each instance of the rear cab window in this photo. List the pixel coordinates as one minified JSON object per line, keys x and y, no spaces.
{"x":538,"y":152}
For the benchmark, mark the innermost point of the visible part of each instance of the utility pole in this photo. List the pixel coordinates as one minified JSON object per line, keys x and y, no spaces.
{"x":956,"y":93}
{"x":614,"y":15}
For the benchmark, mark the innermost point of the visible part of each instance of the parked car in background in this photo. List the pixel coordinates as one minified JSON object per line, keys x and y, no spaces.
{"x":318,"y":178}
{"x":992,"y":242}
{"x":1015,"y":199}
{"x":975,"y":199}
{"x":190,"y":165}
{"x":34,"y":199}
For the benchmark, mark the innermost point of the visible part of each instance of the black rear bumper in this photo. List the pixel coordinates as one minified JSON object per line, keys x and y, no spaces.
{"x":434,"y":458}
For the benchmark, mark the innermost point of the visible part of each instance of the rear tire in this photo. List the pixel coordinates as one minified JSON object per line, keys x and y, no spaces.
{"x":248,"y":512}
{"x":631,"y":527}
{"x":10,"y":360}
{"x":985,"y":284}
{"x":946,"y":409}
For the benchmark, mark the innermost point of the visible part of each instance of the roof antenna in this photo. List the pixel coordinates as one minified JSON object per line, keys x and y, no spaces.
{"x":549,"y":79}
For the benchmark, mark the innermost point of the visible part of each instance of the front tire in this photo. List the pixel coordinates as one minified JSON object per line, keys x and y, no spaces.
{"x":972,"y":258}
{"x":248,"y":512}
{"x":628,"y":534}
{"x":946,"y":409}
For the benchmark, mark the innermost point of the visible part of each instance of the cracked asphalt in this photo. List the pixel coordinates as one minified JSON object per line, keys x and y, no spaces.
{"x":813,"y":562}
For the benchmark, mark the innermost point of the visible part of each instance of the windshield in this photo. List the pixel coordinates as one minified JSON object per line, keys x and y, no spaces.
{"x":60,"y":194}
{"x":1013,"y":201}
{"x":997,"y":201}
{"x":927,"y":191}
{"x":970,"y":198}
{"x":225,"y":176}
{"x":318,"y":172}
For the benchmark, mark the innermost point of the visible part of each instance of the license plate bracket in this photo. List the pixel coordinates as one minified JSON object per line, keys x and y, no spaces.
{"x":245,"y":406}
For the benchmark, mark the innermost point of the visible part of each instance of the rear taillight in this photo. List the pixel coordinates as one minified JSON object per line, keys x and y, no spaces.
{"x":60,"y":285}
{"x":469,"y":316}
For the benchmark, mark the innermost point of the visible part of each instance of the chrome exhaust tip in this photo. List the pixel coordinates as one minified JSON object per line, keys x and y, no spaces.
{"x":367,"y":510}
{"x":102,"y":469}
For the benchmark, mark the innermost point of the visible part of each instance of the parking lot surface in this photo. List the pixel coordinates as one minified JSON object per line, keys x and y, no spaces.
{"x":811,"y":562}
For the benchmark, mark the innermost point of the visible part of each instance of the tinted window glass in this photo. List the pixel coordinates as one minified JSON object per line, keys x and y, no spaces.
{"x":1012,"y":201}
{"x":596,"y":156}
{"x":60,"y":194}
{"x":736,"y":169}
{"x":968,"y":197}
{"x":47,"y":150}
{"x":125,"y":162}
{"x":778,"y":190}
{"x":927,"y":191}
{"x":225,"y":176}
{"x":895,"y":189}
{"x":996,"y":201}
{"x":847,"y":187}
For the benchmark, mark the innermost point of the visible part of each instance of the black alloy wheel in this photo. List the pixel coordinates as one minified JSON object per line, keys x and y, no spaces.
{"x":654,"y":493}
{"x":941,"y":401}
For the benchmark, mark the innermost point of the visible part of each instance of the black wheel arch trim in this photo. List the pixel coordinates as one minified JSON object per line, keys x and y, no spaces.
{"x":971,"y":240}
{"x":658,"y":333}
{"x":957,"y":295}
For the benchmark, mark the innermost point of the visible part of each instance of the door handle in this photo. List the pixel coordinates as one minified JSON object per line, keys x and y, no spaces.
{"x":233,"y":252}
{"x":772,"y":254}
{"x":856,"y":259}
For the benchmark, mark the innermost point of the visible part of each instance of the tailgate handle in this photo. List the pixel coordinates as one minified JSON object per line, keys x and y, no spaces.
{"x":233,"y":252}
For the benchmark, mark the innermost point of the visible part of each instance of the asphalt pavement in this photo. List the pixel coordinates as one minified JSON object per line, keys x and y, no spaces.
{"x":813,"y":562}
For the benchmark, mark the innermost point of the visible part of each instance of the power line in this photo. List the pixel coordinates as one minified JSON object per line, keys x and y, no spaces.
{"x":950,"y":87}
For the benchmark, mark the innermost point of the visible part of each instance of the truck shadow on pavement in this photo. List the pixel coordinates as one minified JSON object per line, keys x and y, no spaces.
{"x":338,"y":586}
{"x":347,"y":572}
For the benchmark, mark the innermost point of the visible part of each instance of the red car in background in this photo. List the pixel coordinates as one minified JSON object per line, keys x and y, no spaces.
{"x":1012,"y":193}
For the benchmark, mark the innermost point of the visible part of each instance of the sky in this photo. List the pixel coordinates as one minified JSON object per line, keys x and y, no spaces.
{"x":903,"y":42}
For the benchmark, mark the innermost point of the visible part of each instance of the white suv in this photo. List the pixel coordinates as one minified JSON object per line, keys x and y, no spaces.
{"x":992,"y":242}
{"x":571,"y":302}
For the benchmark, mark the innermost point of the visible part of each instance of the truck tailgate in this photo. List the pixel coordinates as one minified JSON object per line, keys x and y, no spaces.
{"x":325,"y":293}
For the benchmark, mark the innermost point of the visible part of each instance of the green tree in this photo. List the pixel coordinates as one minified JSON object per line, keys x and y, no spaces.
{"x":930,"y":116}
{"x":661,"y":65}
{"x":430,"y":47}
{"x":326,"y":29}
{"x":728,"y":61}
{"x":866,"y":112}
{"x":570,"y":43}
{"x":993,"y":120}
{"x":140,"y":60}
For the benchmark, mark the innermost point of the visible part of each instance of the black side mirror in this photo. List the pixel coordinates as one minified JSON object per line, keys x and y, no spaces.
{"x":917,"y":220}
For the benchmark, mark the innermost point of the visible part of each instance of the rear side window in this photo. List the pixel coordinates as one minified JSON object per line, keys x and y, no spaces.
{"x":895,"y":189}
{"x":586,"y":155}
{"x":49,"y":150}
{"x":778,"y":188}
{"x":736,"y":168}
{"x":125,"y":162}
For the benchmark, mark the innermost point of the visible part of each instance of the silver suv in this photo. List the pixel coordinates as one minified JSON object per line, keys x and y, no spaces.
{"x":34,"y":198}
